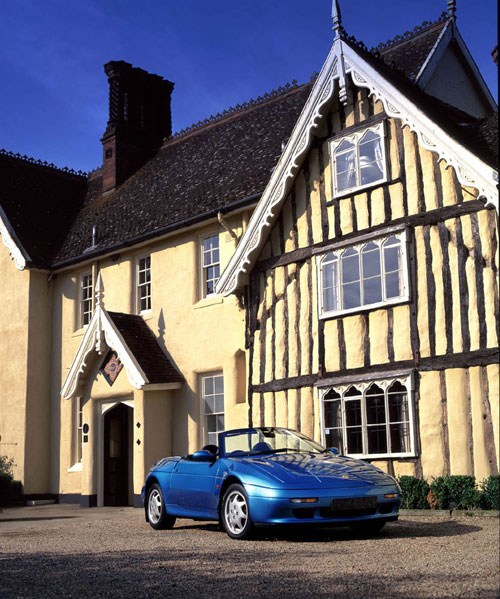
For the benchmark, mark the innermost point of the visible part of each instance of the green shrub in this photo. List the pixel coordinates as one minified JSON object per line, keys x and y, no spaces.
{"x":490,"y":493}
{"x":455,"y":492}
{"x":10,"y":489}
{"x":414,"y":493}
{"x":6,"y":466}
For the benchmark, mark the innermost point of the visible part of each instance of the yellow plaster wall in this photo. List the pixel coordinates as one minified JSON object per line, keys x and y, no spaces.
{"x":201,"y":336}
{"x":431,"y":433}
{"x":14,"y":320}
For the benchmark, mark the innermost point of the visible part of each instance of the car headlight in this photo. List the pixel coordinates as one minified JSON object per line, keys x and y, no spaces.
{"x":304,"y":500}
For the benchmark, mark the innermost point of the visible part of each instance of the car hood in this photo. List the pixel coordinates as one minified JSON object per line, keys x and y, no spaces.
{"x":310,"y":470}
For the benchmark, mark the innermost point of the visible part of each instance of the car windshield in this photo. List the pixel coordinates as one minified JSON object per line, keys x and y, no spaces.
{"x":259,"y":441}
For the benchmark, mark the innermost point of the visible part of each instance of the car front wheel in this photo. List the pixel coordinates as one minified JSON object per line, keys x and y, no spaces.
{"x":155,"y":506}
{"x":235,"y":514}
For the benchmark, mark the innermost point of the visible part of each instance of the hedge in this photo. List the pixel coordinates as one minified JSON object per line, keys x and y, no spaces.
{"x":450,"y":492}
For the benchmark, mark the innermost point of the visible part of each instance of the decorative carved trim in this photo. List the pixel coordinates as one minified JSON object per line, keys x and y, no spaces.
{"x":101,"y":334}
{"x":9,"y":242}
{"x":282,"y":177}
{"x":471,"y":170}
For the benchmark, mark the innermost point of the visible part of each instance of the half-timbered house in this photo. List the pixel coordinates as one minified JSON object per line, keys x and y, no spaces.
{"x":369,"y":267}
{"x":324,"y":258}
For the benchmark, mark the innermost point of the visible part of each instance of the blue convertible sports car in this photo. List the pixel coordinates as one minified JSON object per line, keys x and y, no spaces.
{"x":269,"y":476}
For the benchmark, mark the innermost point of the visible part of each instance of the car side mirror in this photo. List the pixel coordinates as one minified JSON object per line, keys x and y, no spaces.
{"x":203,"y":456}
{"x":334,"y":450}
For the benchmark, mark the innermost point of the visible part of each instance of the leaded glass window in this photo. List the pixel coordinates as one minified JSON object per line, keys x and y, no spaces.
{"x":359,"y":160}
{"x":370,"y":274}
{"x":369,"y":419}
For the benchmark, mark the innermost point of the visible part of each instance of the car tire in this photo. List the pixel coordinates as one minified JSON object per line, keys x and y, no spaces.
{"x":368,"y":527}
{"x":235,"y":513}
{"x":155,"y":509}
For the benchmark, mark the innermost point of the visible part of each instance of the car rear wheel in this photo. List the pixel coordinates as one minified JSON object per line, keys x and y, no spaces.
{"x":368,"y":527}
{"x":155,"y":506}
{"x":235,"y":514}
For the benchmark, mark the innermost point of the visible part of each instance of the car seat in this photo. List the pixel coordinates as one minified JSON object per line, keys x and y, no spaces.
{"x":262,"y":446}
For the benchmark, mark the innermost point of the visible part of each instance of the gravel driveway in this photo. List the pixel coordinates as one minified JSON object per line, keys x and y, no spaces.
{"x":63,"y":551}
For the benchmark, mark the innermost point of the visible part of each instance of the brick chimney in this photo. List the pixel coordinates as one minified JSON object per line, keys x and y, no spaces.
{"x":139,"y":119}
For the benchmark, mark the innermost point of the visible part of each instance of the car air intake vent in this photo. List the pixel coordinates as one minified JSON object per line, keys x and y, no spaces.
{"x":304,"y":512}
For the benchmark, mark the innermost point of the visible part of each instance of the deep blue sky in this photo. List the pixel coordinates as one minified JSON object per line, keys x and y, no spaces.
{"x":218,"y":53}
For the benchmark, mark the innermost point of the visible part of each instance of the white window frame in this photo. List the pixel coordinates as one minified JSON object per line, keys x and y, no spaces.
{"x":203,"y":395}
{"x":355,"y":138}
{"x":82,"y":297}
{"x":77,"y":434}
{"x":339,"y":250}
{"x":363,"y":386}
{"x":139,"y":285}
{"x":204,"y":267}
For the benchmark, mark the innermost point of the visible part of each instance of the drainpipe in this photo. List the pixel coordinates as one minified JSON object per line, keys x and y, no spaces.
{"x":224,"y":224}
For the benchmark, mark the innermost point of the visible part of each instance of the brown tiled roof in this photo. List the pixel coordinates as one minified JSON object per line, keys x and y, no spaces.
{"x":143,"y":344}
{"x":462,"y":127}
{"x":408,"y":54}
{"x":204,"y":171}
{"x":40,"y":202}
{"x":217,"y":166}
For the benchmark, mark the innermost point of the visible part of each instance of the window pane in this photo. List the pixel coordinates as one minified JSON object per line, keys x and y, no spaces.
{"x":392,"y":259}
{"x":377,"y":439}
{"x":372,"y":290}
{"x":333,"y":414}
{"x":352,"y":295}
{"x":371,"y":172}
{"x":219,"y":384}
{"x":345,"y":145}
{"x":400,"y":438}
{"x":209,"y":385}
{"x":219,"y":403}
{"x":350,"y":266}
{"x":354,"y":440}
{"x":220,"y":423}
{"x":369,"y":136}
{"x":345,"y":162}
{"x":333,"y":438}
{"x":330,"y":299}
{"x":398,"y":403}
{"x":375,"y":409}
{"x":369,"y":152}
{"x":209,"y":405}
{"x":371,"y":260}
{"x":392,"y":285}
{"x":353,"y":412}
{"x":212,"y":438}
{"x":211,"y":424}
{"x":346,"y":180}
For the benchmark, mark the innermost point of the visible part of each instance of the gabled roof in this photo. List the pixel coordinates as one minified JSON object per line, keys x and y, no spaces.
{"x":222,"y":164}
{"x":401,"y":100}
{"x":137,"y":348}
{"x":143,"y":345}
{"x":39,"y":202}
{"x":409,"y":52}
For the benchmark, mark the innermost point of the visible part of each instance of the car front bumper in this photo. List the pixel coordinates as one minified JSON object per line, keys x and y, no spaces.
{"x":271,"y":506}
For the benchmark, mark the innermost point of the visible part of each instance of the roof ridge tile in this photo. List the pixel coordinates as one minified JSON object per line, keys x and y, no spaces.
{"x":407,"y":35}
{"x":235,"y":109}
{"x":44,"y":163}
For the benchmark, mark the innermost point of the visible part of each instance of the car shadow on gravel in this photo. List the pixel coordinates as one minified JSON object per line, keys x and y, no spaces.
{"x":34,"y":519}
{"x":220,"y":573}
{"x":301,"y":533}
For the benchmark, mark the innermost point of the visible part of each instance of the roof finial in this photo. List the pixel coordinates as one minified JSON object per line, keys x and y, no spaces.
{"x":452,"y":9}
{"x":336,"y":19}
{"x":99,"y":291}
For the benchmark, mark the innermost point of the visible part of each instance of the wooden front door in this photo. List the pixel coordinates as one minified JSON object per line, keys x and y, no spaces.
{"x":116,"y":455}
